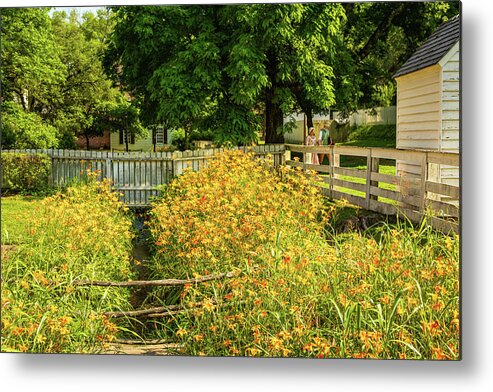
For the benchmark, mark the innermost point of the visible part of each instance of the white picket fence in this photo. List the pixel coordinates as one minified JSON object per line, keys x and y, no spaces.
{"x":137,"y":174}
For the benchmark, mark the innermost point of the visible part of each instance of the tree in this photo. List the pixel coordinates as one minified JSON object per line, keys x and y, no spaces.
{"x":220,"y":67}
{"x":22,"y":129}
{"x":379,"y":37}
{"x":31,"y":65}
{"x":86,"y":91}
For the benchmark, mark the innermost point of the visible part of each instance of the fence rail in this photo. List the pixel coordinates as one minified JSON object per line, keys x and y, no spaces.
{"x":137,"y":175}
{"x":413,"y":196}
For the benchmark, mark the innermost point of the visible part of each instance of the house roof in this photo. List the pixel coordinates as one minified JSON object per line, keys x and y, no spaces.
{"x":434,"y":48}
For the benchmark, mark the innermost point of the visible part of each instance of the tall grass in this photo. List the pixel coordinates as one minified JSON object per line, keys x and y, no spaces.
{"x":83,"y":233}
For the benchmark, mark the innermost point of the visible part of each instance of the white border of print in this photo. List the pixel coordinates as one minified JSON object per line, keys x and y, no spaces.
{"x":31,"y":372}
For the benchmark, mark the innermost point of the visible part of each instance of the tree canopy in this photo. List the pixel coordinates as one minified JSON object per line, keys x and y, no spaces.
{"x":231,"y":70}
{"x":240,"y":68}
{"x":222,"y":67}
{"x":54,"y":86}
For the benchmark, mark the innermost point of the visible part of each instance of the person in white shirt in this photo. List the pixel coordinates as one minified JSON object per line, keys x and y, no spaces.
{"x":324,"y":140}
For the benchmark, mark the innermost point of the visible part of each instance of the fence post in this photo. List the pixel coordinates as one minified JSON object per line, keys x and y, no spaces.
{"x":424,"y":178}
{"x":368,"y":179}
{"x":375,"y":165}
{"x":332,"y":162}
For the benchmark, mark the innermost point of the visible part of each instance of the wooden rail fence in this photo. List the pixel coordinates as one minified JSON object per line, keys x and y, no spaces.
{"x":414,"y":196}
{"x":138,"y":174}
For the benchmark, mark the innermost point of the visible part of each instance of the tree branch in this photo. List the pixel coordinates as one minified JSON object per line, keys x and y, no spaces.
{"x":381,"y":30}
{"x":163,"y":282}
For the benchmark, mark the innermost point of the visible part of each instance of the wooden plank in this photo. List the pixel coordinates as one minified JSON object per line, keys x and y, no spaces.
{"x":442,"y":208}
{"x":349,"y":150}
{"x":294,"y":163}
{"x":346,"y":171}
{"x":350,"y":185}
{"x":352,"y":199}
{"x":318,"y":168}
{"x":443,"y":189}
{"x":382,"y":208}
{"x":395,"y":180}
{"x":444,"y":158}
{"x":395,"y":195}
{"x":397,"y":154}
{"x":444,"y":226}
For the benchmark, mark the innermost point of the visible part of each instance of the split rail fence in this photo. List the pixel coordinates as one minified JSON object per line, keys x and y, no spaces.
{"x":414,"y":196}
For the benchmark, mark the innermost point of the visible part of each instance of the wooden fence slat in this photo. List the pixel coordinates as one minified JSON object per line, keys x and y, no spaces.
{"x":350,"y":185}
{"x":346,"y":171}
{"x":443,"y":189}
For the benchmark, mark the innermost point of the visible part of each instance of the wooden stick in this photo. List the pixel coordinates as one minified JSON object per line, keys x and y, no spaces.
{"x":145,"y":312}
{"x":143,"y":341}
{"x":163,"y":282}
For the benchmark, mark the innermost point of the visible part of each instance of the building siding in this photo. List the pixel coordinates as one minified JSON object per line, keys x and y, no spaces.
{"x":141,"y":144}
{"x":418,"y":115}
{"x":450,"y":136}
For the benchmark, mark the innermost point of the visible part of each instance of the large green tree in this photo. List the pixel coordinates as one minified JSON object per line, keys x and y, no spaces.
{"x":378,"y":38}
{"x":31,"y":71}
{"x":53,"y":83}
{"x":227,"y":68}
{"x":88,"y":97}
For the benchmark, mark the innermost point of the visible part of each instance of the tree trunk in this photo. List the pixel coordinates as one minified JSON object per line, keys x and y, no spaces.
{"x":273,"y":121}
{"x":87,"y":142}
{"x":309,"y":117}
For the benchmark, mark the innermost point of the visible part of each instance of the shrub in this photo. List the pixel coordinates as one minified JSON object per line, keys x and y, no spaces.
{"x":363,"y":132}
{"x":84,"y":233}
{"x":22,"y":129}
{"x":25,"y":173}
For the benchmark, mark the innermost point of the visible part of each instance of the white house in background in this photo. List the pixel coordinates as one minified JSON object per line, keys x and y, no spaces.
{"x":159,"y":137}
{"x":428,"y":101}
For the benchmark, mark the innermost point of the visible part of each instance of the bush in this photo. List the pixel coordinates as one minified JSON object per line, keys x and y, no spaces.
{"x":84,"y":233}
{"x":25,"y":173}
{"x":364,"y":132}
{"x":388,"y":294}
{"x":21,"y":129}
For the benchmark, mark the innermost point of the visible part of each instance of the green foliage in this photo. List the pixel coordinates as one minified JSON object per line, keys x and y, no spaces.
{"x":25,"y":173}
{"x":379,"y":37}
{"x":52,"y":76}
{"x":31,"y":65}
{"x":365,"y":132}
{"x":221,"y":67}
{"x":21,"y":129}
{"x":84,"y":233}
{"x":90,"y":104}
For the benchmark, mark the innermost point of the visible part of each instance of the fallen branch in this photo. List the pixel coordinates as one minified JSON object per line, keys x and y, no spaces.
{"x":163,"y":282}
{"x":165,"y":311}
{"x":143,"y":312}
{"x":143,"y":341}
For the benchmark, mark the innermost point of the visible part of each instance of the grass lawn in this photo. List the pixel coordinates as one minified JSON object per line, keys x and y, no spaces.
{"x":14,"y":212}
